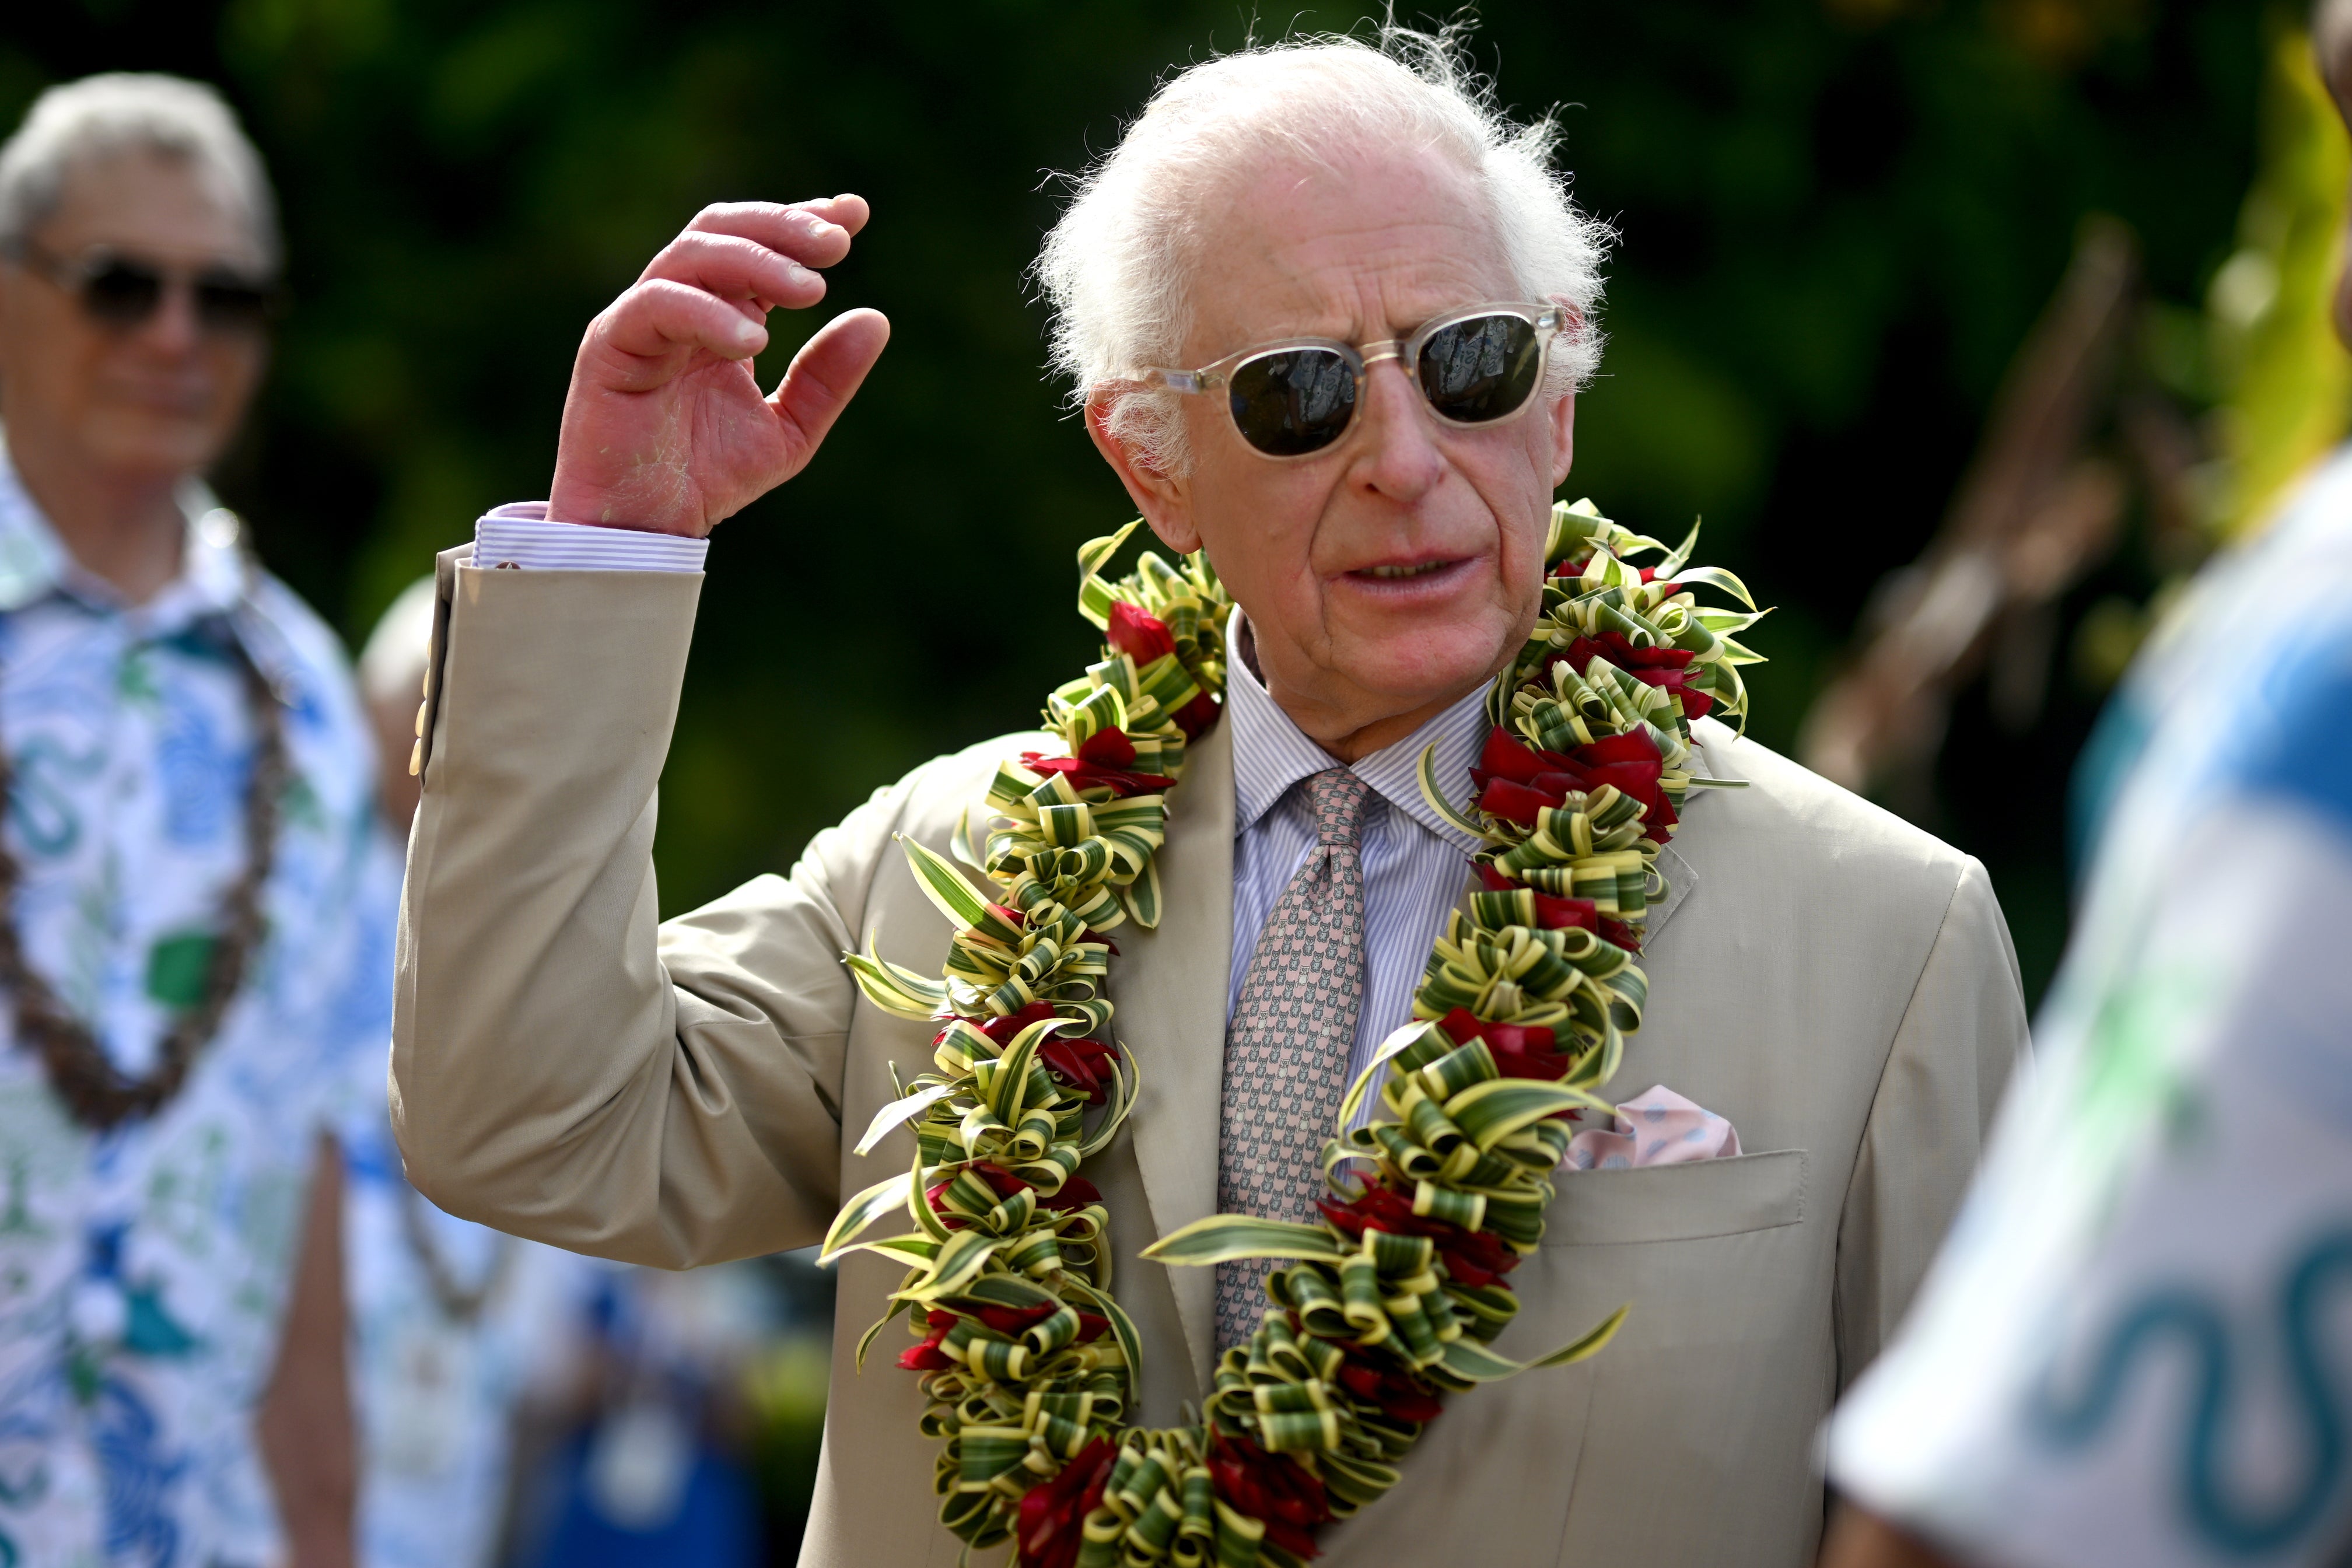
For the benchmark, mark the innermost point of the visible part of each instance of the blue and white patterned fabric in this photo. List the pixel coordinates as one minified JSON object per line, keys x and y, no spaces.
{"x":2137,"y":1348}
{"x":1415,"y":863}
{"x":435,"y":1393}
{"x":144,"y":1271}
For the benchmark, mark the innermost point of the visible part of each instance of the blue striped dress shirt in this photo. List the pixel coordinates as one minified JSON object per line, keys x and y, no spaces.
{"x":520,"y":534}
{"x":1415,"y":864}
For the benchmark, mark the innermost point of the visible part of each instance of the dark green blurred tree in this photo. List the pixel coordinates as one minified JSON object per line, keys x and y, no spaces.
{"x":1839,"y":219}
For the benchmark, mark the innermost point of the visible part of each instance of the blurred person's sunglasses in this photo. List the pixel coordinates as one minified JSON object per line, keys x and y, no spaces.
{"x":1480,"y":365}
{"x":124,"y":292}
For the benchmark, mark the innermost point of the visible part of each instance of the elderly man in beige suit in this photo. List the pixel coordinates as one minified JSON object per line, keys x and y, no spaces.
{"x":1838,"y":986}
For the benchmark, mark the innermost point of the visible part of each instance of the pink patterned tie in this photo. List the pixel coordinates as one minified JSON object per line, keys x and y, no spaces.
{"x":1286,"y":1049}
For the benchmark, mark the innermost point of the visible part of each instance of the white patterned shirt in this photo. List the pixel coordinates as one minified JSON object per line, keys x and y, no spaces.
{"x":144,"y":1271}
{"x":435,"y":1390}
{"x":2134,"y":1349}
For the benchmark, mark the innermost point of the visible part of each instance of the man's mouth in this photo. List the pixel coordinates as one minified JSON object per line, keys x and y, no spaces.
{"x":1404,"y":573}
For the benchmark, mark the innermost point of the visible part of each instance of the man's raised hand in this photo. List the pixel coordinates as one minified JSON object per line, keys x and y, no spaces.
{"x":665,"y":428}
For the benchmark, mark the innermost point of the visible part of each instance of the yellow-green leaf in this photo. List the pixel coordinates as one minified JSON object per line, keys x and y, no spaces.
{"x":943,"y":884}
{"x":1225,"y":1237}
{"x":862,"y":1211}
{"x":899,"y":1110}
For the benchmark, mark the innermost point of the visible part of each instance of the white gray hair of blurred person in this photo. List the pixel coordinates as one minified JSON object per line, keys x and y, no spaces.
{"x":1117,"y":269}
{"x":124,"y":112}
{"x":391,"y":681}
{"x":2330,"y":21}
{"x":138,"y":245}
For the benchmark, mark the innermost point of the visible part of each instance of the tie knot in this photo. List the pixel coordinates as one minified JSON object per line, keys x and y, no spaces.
{"x":1339,"y":798}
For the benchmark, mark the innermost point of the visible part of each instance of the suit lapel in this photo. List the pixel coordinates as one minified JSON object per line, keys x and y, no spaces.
{"x":1713,"y":746}
{"x":1714,"y":761}
{"x":1169,"y":987}
{"x":1681,"y":879}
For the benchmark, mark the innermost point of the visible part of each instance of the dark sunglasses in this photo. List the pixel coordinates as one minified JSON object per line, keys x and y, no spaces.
{"x":1294,"y":398}
{"x":124,"y":292}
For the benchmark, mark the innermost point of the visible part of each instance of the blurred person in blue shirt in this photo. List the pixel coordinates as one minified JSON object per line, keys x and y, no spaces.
{"x":619,"y":1382}
{"x":650,"y":1472}
{"x":454,"y":1326}
{"x":2137,"y":1347}
{"x":182,"y":975}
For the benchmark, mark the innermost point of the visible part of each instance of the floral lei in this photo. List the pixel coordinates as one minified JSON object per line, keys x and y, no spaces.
{"x":1395,"y":1295}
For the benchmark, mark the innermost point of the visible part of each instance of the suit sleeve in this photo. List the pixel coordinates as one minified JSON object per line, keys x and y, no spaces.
{"x":564,"y":1066}
{"x":1963,"y":1034}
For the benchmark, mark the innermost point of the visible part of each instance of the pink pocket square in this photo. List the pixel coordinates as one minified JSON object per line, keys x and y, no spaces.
{"x":1656,"y":1127}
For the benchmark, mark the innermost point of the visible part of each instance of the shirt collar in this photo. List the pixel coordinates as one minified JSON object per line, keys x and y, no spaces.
{"x":35,"y":564}
{"x":1271,"y":753}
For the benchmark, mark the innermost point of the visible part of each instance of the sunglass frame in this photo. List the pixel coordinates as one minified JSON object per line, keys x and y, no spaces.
{"x":76,"y":275}
{"x":1550,"y":321}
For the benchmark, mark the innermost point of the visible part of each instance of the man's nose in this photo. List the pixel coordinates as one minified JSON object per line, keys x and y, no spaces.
{"x":173,"y":329}
{"x":1397,"y":457}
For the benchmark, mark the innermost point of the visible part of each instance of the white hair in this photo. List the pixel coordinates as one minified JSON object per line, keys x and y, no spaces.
{"x":120,"y":111}
{"x":1116,"y":267}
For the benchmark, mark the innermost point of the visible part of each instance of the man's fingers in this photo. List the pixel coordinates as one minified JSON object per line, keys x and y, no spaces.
{"x":848,"y":211}
{"x":802,"y":231}
{"x":656,"y":323}
{"x":762,"y":255}
{"x":738,"y":269}
{"x":825,"y":375}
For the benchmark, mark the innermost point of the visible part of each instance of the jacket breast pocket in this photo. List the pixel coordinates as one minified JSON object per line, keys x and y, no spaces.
{"x":1704,"y":1406}
{"x":1708,"y":1257}
{"x":1678,"y":1202}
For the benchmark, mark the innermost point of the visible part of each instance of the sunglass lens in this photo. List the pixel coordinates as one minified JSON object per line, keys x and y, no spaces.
{"x":1482,"y":369}
{"x":1293,"y":401}
{"x":122,"y":293}
{"x":231,"y":304}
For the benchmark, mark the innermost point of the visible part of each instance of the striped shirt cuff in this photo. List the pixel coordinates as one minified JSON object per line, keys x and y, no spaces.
{"x":521,"y":535}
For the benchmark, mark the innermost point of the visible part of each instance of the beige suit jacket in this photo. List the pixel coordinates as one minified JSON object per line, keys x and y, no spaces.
{"x":1839,"y":985}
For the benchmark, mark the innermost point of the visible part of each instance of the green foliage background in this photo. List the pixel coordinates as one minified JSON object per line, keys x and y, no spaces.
{"x":1839,"y":219}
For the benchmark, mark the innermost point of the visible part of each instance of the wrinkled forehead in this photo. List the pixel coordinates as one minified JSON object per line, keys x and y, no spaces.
{"x":152,"y":201}
{"x":1363,"y":245}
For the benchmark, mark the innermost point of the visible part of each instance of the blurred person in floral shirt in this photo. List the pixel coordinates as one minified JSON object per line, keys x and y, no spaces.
{"x":181,"y":981}
{"x":455,"y":1327}
{"x":518,"y":1402}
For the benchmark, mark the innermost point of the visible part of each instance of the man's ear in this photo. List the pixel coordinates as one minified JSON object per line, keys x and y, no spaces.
{"x":1164,"y":499}
{"x":1563,"y":438}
